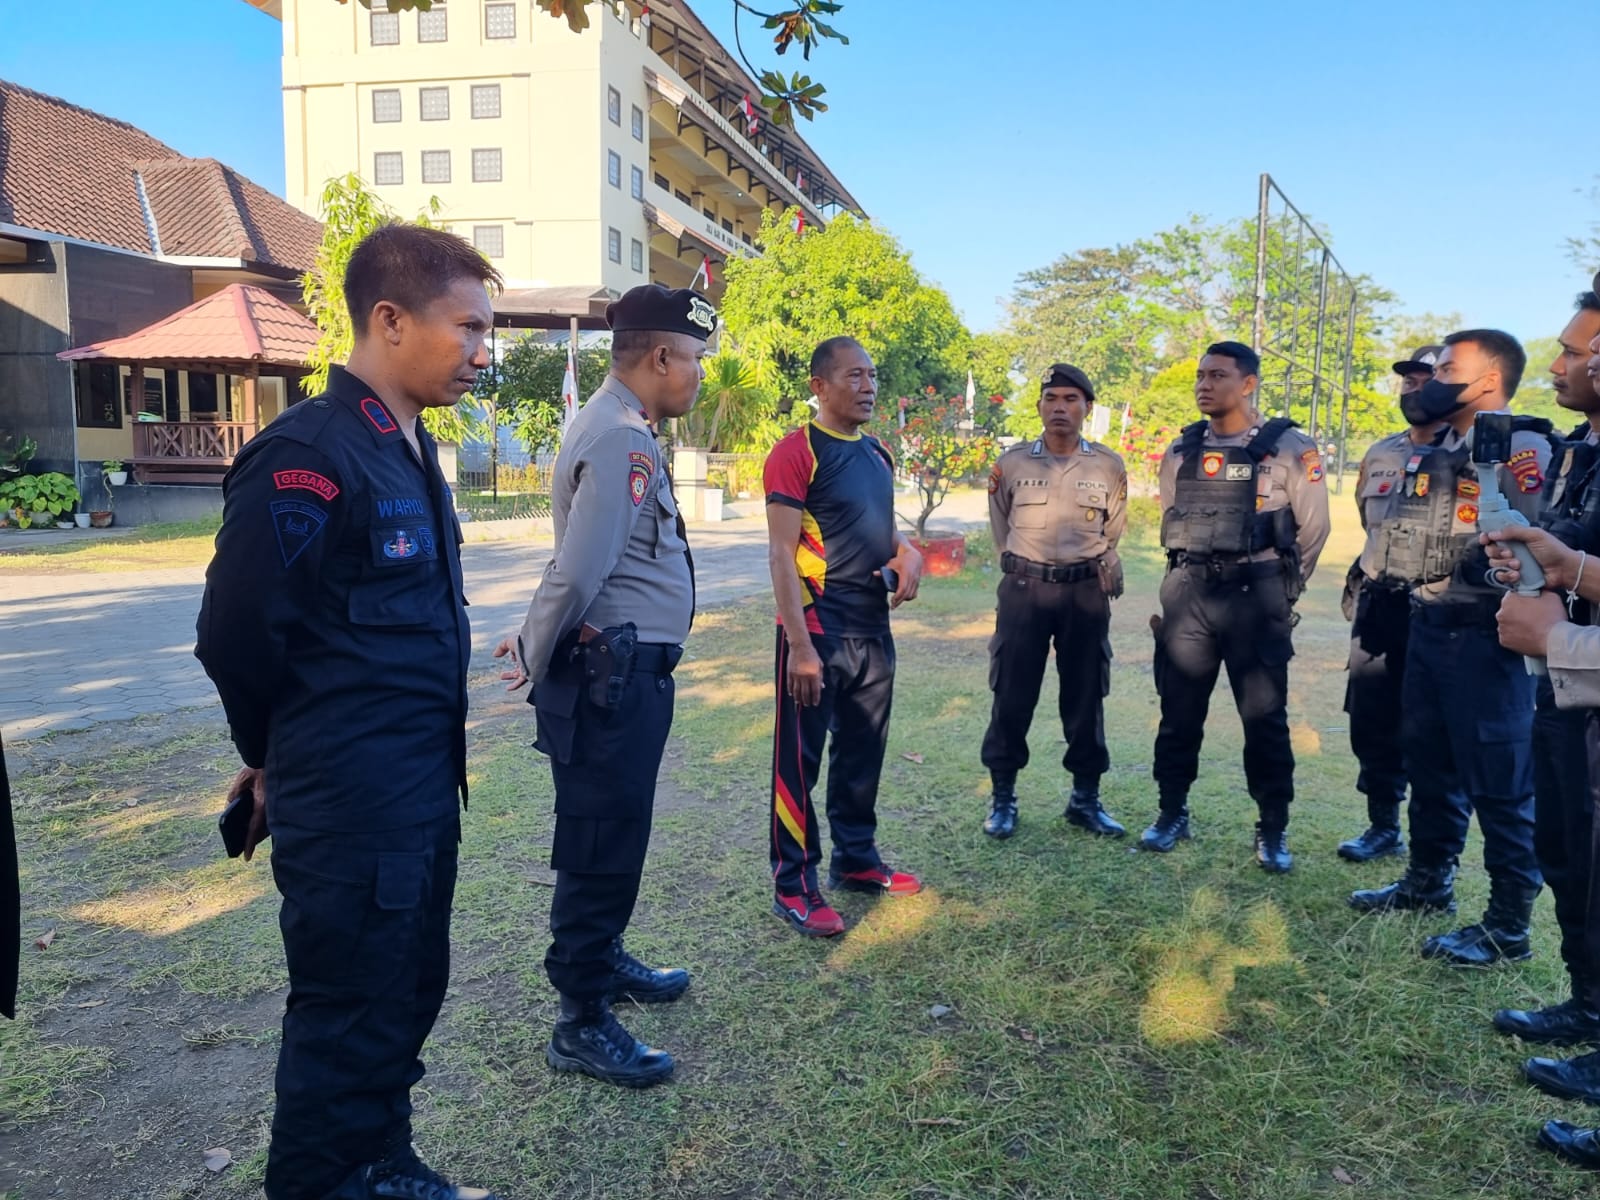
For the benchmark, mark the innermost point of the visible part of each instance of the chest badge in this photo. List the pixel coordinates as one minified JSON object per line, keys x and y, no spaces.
{"x":1422,"y":485}
{"x":1467,"y":514}
{"x":403,"y":546}
{"x":1211,"y":463}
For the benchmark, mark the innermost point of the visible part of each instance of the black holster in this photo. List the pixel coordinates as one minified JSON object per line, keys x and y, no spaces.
{"x":608,"y":660}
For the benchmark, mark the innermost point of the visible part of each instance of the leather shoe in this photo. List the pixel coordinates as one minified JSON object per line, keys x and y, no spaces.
{"x":1374,"y":843}
{"x":404,"y":1176}
{"x":1421,"y":889}
{"x":1572,"y":1142}
{"x":632,"y":980}
{"x":590,"y":1040}
{"x":1168,"y":829}
{"x":1086,"y":812}
{"x":1570,"y":1078}
{"x":1570,"y":1023}
{"x":1272,"y":850}
{"x":1476,"y":946}
{"x":1002,"y":820}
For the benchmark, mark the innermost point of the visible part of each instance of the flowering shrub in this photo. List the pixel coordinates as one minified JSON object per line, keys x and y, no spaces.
{"x":940,"y":445}
{"x":1141,"y":449}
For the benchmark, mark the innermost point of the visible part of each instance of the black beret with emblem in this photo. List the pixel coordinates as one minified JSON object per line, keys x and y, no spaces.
{"x":657,"y":309}
{"x":1422,"y":361}
{"x":1064,"y":375}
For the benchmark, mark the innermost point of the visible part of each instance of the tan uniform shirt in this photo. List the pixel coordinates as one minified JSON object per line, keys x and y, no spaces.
{"x":1290,"y":477}
{"x":1058,"y":510}
{"x":619,"y":556}
{"x":1574,"y":664}
{"x":1383,"y":470}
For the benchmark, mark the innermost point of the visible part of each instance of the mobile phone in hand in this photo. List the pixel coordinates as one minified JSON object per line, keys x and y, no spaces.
{"x":891,"y":579}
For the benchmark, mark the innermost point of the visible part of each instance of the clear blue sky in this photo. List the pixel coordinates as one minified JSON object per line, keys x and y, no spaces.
{"x":1448,"y":144}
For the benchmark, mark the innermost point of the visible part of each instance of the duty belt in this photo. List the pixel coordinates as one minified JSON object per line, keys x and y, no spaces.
{"x":1013,"y":564}
{"x":657,"y":658}
{"x":1473,"y":614}
{"x":1225,"y":568}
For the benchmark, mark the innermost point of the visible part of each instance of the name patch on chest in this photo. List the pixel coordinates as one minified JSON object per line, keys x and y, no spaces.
{"x":402,"y":507}
{"x":1237,"y":472}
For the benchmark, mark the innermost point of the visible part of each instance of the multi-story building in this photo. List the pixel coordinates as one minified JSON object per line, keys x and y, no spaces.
{"x":579,"y":163}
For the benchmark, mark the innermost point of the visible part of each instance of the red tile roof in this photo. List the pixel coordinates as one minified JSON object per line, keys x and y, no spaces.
{"x":239,"y":324}
{"x":69,"y":171}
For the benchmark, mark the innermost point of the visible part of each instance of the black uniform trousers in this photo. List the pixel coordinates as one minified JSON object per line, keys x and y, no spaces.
{"x":1029,"y":615}
{"x":605,"y":798}
{"x":1239,"y":616}
{"x":1563,"y":818}
{"x":366,"y":932}
{"x":853,"y":720}
{"x":1377,"y":668}
{"x":1466,"y":732}
{"x":10,"y":899}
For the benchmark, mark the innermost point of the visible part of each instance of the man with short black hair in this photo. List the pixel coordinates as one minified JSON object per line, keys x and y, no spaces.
{"x":602,"y":636}
{"x":334,"y":627}
{"x":1244,"y":517}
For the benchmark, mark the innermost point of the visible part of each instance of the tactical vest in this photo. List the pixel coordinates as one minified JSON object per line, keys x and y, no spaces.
{"x":1571,"y":500}
{"x":1214,"y":500}
{"x":1416,"y":545}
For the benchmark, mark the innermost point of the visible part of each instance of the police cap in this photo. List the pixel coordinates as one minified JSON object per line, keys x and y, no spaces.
{"x":1423,"y":359}
{"x":656,"y":309}
{"x":1062,"y":375}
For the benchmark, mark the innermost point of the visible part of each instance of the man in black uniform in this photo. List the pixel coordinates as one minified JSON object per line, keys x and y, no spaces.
{"x":602,"y":636}
{"x":1244,"y":517}
{"x":1379,"y":607}
{"x":1563,"y":814}
{"x":333,"y":626}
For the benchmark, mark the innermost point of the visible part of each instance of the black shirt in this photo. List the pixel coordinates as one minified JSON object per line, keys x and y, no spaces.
{"x":333,"y":621}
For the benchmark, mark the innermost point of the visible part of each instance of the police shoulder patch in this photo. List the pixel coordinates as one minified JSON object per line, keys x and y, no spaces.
{"x":995,"y":476}
{"x":1524,"y":467}
{"x":296,"y":524}
{"x":640,"y":468}
{"x":1313,"y":465}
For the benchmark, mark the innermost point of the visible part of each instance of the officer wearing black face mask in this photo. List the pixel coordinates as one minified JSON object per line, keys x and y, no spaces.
{"x":1378,"y":604}
{"x":1466,"y":703}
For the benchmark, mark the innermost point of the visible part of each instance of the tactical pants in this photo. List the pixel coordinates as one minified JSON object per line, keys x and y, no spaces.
{"x":1377,"y":668}
{"x":605,"y":799}
{"x":366,"y":932}
{"x":1029,"y":615}
{"x":853,"y":719}
{"x":1242,"y":621}
{"x":1591,"y":932}
{"x":1467,"y":732}
{"x":1563,"y":818}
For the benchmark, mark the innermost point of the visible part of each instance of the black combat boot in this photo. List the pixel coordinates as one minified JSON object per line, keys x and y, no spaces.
{"x":1171,"y":826}
{"x":1572,"y":1142}
{"x":1422,"y":888}
{"x":1086,"y":812}
{"x":1570,"y":1078}
{"x":1502,"y":934}
{"x":1573,"y":1022}
{"x":403,"y":1176}
{"x":588,"y":1038}
{"x":1382,"y":837}
{"x":1002,"y":821}
{"x":632,"y":980}
{"x":1272,"y":849}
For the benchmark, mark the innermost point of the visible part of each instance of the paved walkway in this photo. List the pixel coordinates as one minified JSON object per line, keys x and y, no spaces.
{"x":78,"y":649}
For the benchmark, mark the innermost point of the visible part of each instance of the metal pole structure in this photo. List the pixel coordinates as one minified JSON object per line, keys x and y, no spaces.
{"x":1316,"y":353}
{"x":1344,"y":408}
{"x":1258,"y":322}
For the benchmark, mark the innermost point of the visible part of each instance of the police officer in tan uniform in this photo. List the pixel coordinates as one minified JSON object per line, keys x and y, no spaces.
{"x":602,"y":636}
{"x":1244,"y":515}
{"x":1057,"y":507}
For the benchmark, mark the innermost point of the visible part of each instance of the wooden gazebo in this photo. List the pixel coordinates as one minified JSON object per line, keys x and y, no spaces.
{"x":243,"y":331}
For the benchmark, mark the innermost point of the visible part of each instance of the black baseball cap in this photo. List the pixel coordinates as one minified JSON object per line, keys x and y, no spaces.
{"x":662,"y":310}
{"x":1062,"y":375}
{"x":1423,"y":358}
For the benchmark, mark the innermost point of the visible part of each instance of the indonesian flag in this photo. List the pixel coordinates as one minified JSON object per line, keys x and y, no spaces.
{"x":569,"y":392}
{"x":799,"y":222}
{"x":972,"y":393}
{"x":799,"y":179}
{"x":644,"y":17}
{"x":703,"y":273}
{"x":751,"y":123}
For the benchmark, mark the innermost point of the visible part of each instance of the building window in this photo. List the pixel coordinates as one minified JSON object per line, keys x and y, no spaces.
{"x":434,"y":104}
{"x":432,"y":25}
{"x":661,"y":182}
{"x":710,"y":216}
{"x":385,"y":105}
{"x":97,"y":396}
{"x":636,"y":182}
{"x":490,"y":240}
{"x":486,"y":166}
{"x":727,"y":225}
{"x":485,"y":100}
{"x":385,"y":29}
{"x":683,"y":197}
{"x":745,"y":238}
{"x":614,"y":245}
{"x":638,"y":123}
{"x":637,"y":253}
{"x":388,"y":167}
{"x":614,"y":105}
{"x":500,"y":20}
{"x":613,"y":168}
{"x":436,"y":166}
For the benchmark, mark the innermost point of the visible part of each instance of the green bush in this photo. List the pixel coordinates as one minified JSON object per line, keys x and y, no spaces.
{"x":26,"y":495}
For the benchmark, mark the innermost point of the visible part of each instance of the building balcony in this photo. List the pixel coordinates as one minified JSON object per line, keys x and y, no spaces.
{"x":671,"y":215}
{"x":187,"y":451}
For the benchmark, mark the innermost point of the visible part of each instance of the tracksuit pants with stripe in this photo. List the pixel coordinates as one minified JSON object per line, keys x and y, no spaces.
{"x":853,"y":718}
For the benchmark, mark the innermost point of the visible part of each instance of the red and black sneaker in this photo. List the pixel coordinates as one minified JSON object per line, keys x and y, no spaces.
{"x":809,"y":914}
{"x":878,"y":881}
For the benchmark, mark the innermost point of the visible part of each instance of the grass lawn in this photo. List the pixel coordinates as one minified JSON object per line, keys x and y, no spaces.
{"x":1053,"y":1017}
{"x":146,"y":548}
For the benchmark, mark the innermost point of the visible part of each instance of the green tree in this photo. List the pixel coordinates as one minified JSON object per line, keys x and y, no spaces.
{"x":528,"y":387}
{"x":737,"y":410}
{"x":850,"y":278}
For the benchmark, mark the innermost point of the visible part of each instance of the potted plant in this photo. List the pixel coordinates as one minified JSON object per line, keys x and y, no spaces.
{"x":38,"y":499}
{"x":116,"y":472}
{"x":938,"y":445}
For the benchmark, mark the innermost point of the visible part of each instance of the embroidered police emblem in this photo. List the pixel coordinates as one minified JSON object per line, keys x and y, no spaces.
{"x":1467,"y":489}
{"x":1211,"y":462}
{"x":296,"y":523}
{"x":402,"y":546}
{"x":639,"y":470}
{"x":1313,"y":465}
{"x":1467,"y":514}
{"x":425,"y":540}
{"x":1422,"y":486}
{"x":702,"y":314}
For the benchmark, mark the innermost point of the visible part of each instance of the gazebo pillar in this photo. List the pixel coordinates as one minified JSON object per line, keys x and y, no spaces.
{"x":251,"y":415}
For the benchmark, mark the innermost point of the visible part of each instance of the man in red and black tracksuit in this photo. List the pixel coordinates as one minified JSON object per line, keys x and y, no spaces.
{"x":838,"y":566}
